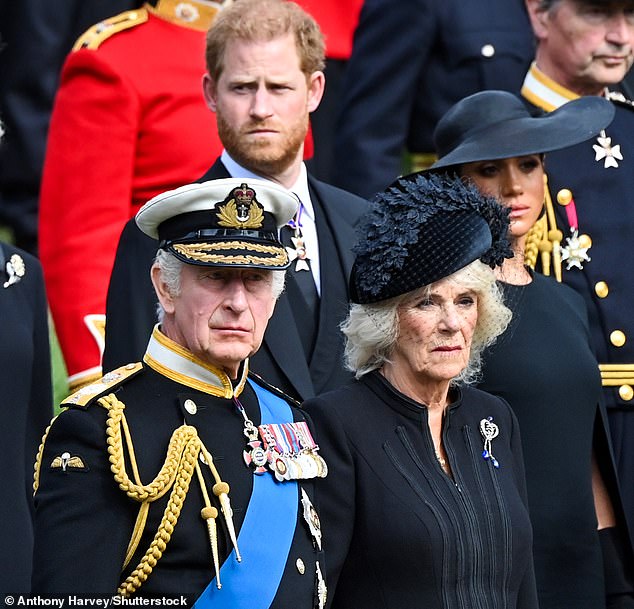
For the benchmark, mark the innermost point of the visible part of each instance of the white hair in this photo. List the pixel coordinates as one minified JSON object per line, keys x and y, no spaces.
{"x":170,"y":273}
{"x":372,"y":330}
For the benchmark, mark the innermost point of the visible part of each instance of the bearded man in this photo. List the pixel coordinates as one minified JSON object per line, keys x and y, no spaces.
{"x":264,"y":77}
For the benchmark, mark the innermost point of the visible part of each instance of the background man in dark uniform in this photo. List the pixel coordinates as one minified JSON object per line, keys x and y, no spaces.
{"x":263,"y":80}
{"x":583,"y":47}
{"x":160,"y":478}
{"x":411,"y":61}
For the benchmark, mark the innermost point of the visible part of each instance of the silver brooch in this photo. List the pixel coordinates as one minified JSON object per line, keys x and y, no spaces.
{"x":606,"y":152}
{"x":15,"y":270}
{"x":489,"y":431}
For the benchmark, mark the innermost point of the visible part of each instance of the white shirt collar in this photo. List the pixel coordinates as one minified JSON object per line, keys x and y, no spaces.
{"x":179,"y":364}
{"x":300,"y":188}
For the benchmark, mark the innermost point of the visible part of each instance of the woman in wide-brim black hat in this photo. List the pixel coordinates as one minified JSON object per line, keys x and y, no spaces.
{"x":543,"y":364}
{"x":492,"y":138}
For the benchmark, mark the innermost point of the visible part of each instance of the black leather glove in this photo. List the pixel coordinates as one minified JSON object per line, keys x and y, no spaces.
{"x":617,"y":567}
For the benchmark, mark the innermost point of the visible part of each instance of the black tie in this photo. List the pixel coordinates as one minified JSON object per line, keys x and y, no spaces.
{"x":302,"y":291}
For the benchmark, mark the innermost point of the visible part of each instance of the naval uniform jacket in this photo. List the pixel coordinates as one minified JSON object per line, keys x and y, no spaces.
{"x":281,"y":360}
{"x":129,"y":122}
{"x":399,"y":531}
{"x":599,"y":173}
{"x":411,"y":61}
{"x":84,"y":521}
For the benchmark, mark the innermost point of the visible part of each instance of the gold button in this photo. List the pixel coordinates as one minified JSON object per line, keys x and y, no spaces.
{"x":626,"y":392}
{"x":130,"y":366}
{"x":564,"y":196}
{"x":299,"y":563}
{"x":488,"y":50}
{"x":601,"y":289}
{"x":585,"y":241}
{"x":617,"y":338}
{"x":190,"y":406}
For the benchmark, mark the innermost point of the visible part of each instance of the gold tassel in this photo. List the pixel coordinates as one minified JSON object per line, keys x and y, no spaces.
{"x":221,"y":490}
{"x":210,"y":514}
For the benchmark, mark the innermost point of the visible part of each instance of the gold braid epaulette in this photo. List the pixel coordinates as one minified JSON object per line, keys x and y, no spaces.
{"x":176,"y":474}
{"x":98,"y":33}
{"x":181,"y":462}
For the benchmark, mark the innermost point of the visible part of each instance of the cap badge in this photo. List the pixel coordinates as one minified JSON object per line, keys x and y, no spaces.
{"x":241,"y":209}
{"x":187,"y":12}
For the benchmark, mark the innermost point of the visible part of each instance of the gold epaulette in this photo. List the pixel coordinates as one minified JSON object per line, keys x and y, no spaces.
{"x":107,"y":383}
{"x":94,"y":36}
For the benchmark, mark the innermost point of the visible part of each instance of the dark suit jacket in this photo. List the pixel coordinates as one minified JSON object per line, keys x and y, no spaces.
{"x":131,"y":305}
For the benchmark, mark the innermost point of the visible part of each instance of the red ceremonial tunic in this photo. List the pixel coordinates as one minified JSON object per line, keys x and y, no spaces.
{"x":129,"y":122}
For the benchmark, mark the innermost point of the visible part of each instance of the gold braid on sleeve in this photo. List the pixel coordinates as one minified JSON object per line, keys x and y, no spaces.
{"x":175,"y":475}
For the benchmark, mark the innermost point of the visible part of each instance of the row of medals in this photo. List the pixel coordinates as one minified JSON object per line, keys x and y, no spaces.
{"x":297,"y":465}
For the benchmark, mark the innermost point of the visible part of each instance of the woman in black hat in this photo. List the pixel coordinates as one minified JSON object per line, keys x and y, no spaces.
{"x":543,"y":365}
{"x":424,"y":504}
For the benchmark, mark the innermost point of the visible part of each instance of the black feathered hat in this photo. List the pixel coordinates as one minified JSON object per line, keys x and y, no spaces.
{"x":423,"y":228}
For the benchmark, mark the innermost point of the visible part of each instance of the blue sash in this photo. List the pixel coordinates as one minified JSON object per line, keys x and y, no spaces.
{"x":266,"y":534}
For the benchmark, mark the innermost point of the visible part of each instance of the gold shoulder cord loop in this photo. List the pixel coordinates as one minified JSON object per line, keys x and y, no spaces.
{"x":545,"y":237}
{"x":534,"y":239}
{"x":176,"y":473}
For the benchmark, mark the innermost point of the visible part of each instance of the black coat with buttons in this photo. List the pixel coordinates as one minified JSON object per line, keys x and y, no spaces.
{"x":411,"y":61}
{"x":84,"y":521}
{"x":26,"y":407}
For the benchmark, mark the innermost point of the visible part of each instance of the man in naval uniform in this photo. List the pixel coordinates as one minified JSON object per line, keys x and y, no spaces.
{"x":185,"y":474}
{"x":583,"y":48}
{"x":264,"y":77}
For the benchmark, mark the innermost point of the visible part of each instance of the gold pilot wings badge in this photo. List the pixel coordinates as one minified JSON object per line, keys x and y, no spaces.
{"x":67,"y":461}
